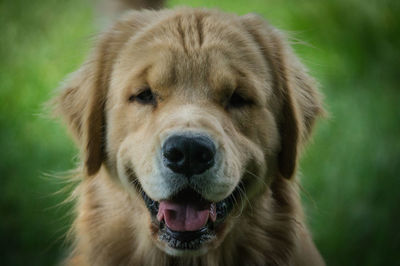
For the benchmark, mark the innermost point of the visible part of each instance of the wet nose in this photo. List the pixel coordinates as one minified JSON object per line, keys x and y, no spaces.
{"x":188,"y":155}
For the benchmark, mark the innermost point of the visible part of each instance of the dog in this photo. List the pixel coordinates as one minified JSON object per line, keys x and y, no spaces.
{"x":190,"y":123}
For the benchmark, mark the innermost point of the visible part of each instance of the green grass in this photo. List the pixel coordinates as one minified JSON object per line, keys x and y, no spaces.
{"x":349,"y":172}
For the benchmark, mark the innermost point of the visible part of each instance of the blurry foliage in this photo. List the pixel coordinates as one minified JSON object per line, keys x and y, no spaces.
{"x":349,"y":172}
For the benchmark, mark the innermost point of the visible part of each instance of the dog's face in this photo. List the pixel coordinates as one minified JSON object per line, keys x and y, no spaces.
{"x":196,"y":113}
{"x":181,"y":116}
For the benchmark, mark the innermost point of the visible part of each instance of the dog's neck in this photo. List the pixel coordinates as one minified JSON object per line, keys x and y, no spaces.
{"x":110,"y":233}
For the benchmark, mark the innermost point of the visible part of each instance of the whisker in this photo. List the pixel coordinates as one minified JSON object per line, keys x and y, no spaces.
{"x":242,"y":202}
{"x":242,"y":191}
{"x":260,"y":179}
{"x":236,"y":204}
{"x":136,"y":184}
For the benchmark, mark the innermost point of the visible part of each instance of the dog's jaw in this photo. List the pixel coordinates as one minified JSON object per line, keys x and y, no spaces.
{"x":188,"y":243}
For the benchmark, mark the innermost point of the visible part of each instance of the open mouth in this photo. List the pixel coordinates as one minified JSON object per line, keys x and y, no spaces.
{"x":187,"y":220}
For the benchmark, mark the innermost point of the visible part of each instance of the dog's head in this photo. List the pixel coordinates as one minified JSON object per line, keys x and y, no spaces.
{"x":189,"y":109}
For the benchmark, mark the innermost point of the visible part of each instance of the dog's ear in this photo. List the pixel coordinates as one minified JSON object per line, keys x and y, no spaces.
{"x":80,"y":102}
{"x":82,"y":96}
{"x":295,"y":91}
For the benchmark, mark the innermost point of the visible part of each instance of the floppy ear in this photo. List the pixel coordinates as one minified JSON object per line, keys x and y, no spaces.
{"x":81,"y":103}
{"x":295,"y":91}
{"x":82,"y":98}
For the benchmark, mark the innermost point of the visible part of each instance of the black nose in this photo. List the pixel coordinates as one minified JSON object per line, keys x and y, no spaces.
{"x":188,"y":155}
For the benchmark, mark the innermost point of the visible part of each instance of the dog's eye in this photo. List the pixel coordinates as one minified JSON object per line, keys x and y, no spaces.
{"x":144,"y":97}
{"x":237,"y":101}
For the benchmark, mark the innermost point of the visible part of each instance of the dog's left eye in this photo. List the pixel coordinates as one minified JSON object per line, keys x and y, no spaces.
{"x":144,"y":97}
{"x":237,"y":101}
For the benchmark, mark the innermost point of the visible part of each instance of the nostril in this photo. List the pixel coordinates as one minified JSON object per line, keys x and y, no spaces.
{"x":174,"y":155}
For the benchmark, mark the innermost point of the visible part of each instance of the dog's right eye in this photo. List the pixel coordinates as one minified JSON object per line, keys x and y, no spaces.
{"x":144,"y":97}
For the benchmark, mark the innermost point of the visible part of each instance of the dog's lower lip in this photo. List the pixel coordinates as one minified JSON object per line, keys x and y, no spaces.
{"x":188,"y":240}
{"x":187,"y":235}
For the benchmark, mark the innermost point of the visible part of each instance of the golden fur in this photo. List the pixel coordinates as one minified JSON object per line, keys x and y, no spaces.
{"x":193,"y":59}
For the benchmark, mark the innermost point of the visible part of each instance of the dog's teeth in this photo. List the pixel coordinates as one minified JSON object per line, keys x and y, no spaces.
{"x":178,"y":243}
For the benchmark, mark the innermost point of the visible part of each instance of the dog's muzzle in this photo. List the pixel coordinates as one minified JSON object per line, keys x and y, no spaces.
{"x":186,"y":220}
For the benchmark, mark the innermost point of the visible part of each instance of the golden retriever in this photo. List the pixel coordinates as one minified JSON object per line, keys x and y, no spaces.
{"x":190,"y":123}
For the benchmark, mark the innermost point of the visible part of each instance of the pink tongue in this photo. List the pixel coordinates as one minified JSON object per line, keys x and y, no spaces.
{"x":186,"y":216}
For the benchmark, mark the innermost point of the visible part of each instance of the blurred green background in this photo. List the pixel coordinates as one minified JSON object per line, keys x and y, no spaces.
{"x":350,"y":179}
